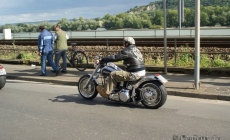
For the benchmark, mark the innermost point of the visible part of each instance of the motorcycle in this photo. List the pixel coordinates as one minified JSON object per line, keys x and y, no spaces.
{"x":2,"y":77}
{"x":149,"y":90}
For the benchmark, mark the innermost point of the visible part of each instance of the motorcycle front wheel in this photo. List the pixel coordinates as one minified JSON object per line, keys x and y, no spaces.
{"x":89,"y":92}
{"x":153,"y":95}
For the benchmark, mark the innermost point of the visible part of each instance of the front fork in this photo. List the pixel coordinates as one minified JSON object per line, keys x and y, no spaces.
{"x":91,"y":77}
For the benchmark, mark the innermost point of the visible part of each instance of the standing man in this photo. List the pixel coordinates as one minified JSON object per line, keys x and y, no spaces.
{"x":60,"y":46}
{"x":45,"y":48}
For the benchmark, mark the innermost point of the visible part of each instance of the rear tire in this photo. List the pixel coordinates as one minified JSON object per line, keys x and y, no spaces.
{"x":153,"y":95}
{"x":80,"y":61}
{"x":90,"y":92}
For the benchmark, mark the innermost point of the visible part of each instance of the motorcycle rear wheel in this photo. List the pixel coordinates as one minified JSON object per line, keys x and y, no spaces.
{"x":153,"y":95}
{"x":90,"y":92}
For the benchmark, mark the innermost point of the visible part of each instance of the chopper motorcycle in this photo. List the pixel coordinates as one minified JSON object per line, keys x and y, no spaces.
{"x":149,"y":90}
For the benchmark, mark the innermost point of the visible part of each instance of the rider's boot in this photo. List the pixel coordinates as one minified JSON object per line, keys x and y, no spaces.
{"x":102,"y":92}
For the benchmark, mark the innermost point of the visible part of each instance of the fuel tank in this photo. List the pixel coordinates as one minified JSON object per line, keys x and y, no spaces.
{"x":107,"y":70}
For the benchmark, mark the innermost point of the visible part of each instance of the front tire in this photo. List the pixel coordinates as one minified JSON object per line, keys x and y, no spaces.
{"x":153,"y":95}
{"x":90,"y":92}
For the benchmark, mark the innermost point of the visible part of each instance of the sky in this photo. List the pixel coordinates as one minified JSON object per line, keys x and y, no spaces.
{"x":19,"y":11}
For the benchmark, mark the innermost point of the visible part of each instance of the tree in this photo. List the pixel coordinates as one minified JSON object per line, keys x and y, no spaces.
{"x":189,"y":17}
{"x":137,"y":23}
{"x":172,"y":18}
{"x":64,"y":24}
{"x":204,"y":19}
{"x":119,"y":23}
{"x":157,"y":18}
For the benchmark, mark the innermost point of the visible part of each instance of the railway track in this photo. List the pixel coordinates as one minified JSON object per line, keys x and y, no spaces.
{"x":158,"y":42}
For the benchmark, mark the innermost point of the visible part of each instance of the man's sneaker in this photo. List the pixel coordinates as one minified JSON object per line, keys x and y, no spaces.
{"x":102,"y":92}
{"x":57,"y":72}
{"x":63,"y":71}
{"x":53,"y":71}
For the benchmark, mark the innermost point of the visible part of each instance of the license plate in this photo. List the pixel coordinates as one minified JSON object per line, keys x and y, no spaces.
{"x":162,"y":79}
{"x":2,"y":71}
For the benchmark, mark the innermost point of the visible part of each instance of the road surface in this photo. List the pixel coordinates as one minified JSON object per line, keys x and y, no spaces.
{"x":43,"y":111}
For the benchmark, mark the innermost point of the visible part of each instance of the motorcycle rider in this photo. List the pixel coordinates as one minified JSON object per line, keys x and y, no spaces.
{"x":132,"y":59}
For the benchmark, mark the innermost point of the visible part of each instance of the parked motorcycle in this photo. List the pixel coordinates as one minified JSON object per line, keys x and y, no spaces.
{"x":149,"y":90}
{"x":2,"y":77}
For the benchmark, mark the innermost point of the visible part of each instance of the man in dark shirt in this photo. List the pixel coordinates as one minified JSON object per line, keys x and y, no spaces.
{"x":133,"y":60}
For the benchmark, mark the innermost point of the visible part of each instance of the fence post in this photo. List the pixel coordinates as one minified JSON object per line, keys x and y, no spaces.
{"x":14,"y":48}
{"x":107,"y":46}
{"x":175,"y":54}
{"x":165,"y":38}
{"x":197,"y":47}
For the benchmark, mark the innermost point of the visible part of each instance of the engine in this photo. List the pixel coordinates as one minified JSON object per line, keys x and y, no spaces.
{"x":122,"y":95}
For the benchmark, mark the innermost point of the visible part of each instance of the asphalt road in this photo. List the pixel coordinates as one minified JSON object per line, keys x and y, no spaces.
{"x":39,"y":111}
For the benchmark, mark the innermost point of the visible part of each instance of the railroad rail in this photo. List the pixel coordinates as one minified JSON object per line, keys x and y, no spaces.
{"x":159,"y":42}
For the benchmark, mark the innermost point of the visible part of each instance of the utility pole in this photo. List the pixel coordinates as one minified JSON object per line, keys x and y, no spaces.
{"x":197,"y":47}
{"x":165,"y":39}
{"x":180,"y":13}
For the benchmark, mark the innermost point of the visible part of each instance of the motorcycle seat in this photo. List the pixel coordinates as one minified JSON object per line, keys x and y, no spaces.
{"x":136,"y":81}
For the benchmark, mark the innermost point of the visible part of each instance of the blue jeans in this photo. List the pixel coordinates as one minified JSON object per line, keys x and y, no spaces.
{"x":47,"y":56}
{"x":58,"y":55}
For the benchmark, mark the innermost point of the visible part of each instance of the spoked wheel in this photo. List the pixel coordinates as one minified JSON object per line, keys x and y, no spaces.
{"x":153,"y":95}
{"x":80,"y":61}
{"x":89,"y":92}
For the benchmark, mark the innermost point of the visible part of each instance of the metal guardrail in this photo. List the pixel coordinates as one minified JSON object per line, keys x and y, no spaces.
{"x":117,"y":34}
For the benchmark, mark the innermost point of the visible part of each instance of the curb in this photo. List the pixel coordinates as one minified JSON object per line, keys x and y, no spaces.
{"x":183,"y":70}
{"x":201,"y":96}
{"x":173,"y":93}
{"x":41,"y":80}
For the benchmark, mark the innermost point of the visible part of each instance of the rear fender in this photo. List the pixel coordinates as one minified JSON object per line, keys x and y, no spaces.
{"x":151,"y":79}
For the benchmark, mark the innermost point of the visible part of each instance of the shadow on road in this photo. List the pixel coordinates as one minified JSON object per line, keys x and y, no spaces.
{"x":96,"y":101}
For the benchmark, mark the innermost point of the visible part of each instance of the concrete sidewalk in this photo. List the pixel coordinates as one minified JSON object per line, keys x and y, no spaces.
{"x":212,"y":87}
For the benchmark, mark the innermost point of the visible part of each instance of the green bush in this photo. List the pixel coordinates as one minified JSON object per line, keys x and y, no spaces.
{"x":218,"y":62}
{"x":25,"y":56}
{"x":205,"y":61}
{"x":185,"y":59}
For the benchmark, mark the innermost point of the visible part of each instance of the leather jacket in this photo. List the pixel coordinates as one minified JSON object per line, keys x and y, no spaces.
{"x":131,"y":56}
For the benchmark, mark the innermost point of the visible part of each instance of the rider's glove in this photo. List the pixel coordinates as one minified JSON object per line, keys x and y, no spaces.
{"x":102,"y":62}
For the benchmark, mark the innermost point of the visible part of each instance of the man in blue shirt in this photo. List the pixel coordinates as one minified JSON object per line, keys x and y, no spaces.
{"x":45,"y":48}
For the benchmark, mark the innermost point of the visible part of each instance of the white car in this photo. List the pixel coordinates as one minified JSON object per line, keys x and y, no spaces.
{"x":2,"y":77}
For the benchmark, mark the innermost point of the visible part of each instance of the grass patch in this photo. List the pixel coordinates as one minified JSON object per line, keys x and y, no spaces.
{"x":218,"y":62}
{"x":205,"y":61}
{"x":183,"y":59}
{"x":9,"y":56}
{"x":28,"y":56}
